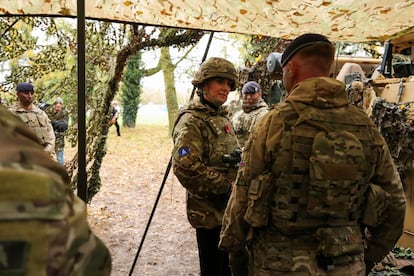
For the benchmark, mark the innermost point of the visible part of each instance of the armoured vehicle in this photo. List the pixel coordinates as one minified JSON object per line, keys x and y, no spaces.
{"x":393,"y":111}
{"x":384,"y":88}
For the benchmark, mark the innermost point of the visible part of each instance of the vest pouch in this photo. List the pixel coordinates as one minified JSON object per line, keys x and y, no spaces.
{"x":377,"y":202}
{"x":338,"y":241}
{"x":259,"y":197}
{"x":33,"y":208}
{"x":337,"y":168}
{"x":272,"y":251}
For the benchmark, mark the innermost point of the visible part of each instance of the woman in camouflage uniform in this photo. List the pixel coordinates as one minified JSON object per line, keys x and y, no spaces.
{"x":202,"y":135}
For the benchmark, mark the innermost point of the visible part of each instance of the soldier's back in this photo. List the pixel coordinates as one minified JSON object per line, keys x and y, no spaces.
{"x":43,"y":226}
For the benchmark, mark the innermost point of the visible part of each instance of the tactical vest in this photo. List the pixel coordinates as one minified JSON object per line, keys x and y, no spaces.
{"x":243,"y":121}
{"x":37,"y":122}
{"x":43,"y":228}
{"x":218,"y":139}
{"x":215,"y":144}
{"x":314,"y":190}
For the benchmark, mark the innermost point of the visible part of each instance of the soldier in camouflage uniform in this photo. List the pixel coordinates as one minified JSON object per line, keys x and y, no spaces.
{"x":43,"y":225}
{"x":60,"y":120}
{"x":253,"y":109}
{"x":313,"y":173}
{"x":202,"y":135}
{"x":35,"y":118}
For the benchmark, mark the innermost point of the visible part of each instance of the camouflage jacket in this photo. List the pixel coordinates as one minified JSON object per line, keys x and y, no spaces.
{"x":38,"y":121}
{"x":245,"y":119}
{"x":260,"y":154}
{"x":60,"y":123}
{"x":202,"y":136}
{"x":43,"y":225}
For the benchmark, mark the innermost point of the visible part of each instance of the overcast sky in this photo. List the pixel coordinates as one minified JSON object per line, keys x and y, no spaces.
{"x":219,"y":47}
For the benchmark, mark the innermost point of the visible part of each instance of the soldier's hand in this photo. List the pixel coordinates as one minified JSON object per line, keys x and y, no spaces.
{"x":368,"y":266}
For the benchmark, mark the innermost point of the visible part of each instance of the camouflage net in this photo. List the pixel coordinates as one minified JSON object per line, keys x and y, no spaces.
{"x":398,"y":263}
{"x":396,"y":124}
{"x":256,"y":69}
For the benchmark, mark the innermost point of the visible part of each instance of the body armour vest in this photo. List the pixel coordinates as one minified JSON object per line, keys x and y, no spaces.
{"x":322,"y":168}
{"x":205,"y":210}
{"x":36,"y":120}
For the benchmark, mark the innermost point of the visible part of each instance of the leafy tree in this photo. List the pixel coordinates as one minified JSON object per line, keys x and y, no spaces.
{"x":52,"y":68}
{"x":140,"y":37}
{"x":167,"y":66}
{"x":131,"y":90}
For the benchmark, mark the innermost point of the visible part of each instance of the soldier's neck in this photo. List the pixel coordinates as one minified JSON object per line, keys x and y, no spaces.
{"x":204,"y":101}
{"x":26,"y":107}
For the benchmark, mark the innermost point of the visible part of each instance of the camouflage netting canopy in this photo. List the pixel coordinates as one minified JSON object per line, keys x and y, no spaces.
{"x":340,"y":20}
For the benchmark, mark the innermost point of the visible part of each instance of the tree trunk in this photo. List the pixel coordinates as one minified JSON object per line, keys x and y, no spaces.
{"x":170,"y":92}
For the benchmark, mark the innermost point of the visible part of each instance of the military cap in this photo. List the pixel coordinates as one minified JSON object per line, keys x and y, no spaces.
{"x":251,"y":87}
{"x":301,"y":42}
{"x":24,"y":86}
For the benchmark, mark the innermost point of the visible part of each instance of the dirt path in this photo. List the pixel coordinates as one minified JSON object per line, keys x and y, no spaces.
{"x":132,"y":173}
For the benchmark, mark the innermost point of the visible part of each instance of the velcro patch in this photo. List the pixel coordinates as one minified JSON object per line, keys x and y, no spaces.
{"x":184,"y":151}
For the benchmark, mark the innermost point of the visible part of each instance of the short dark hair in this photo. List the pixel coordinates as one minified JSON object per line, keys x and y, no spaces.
{"x":320,"y":55}
{"x":302,"y":42}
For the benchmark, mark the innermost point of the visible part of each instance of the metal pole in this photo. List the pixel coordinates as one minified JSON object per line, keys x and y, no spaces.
{"x":82,"y":179}
{"x":167,"y":171}
{"x":203,"y":59}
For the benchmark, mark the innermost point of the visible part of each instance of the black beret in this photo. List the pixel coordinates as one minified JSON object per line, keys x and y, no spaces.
{"x":301,"y":42}
{"x":24,"y":86}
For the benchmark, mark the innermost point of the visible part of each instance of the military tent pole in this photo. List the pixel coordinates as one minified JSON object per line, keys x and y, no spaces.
{"x":203,"y":59}
{"x":167,"y":171}
{"x":81,"y":179}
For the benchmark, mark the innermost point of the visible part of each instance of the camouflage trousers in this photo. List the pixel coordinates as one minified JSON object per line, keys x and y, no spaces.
{"x":304,"y":263}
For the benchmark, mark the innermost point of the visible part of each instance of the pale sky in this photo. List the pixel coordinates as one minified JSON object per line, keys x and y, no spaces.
{"x":218,"y":48}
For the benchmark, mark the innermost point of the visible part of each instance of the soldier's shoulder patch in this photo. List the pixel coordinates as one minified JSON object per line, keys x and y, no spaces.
{"x":184,"y":151}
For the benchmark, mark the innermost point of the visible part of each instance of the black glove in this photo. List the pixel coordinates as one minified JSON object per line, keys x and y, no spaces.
{"x":368,"y":266}
{"x":54,"y":124}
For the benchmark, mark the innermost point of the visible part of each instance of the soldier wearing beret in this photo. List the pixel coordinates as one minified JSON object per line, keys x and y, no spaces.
{"x":253,"y":109}
{"x":35,"y":118}
{"x":306,"y":200}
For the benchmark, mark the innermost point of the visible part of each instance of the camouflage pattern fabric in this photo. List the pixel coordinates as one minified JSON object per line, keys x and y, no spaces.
{"x":395,"y":121}
{"x":38,"y":121}
{"x":376,"y":203}
{"x":245,"y":119}
{"x":202,"y":136}
{"x":275,"y":253}
{"x":43,"y":225}
{"x":59,"y":122}
{"x":215,"y":67}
